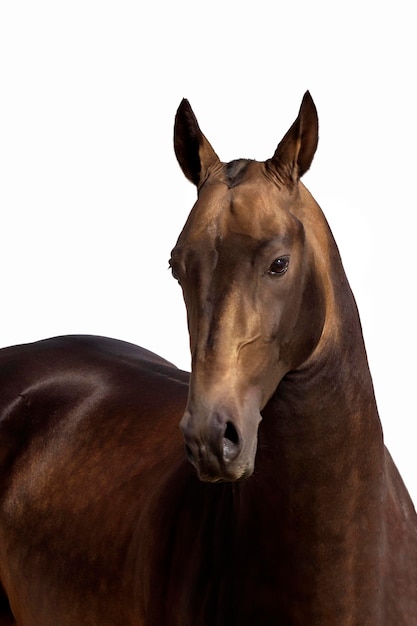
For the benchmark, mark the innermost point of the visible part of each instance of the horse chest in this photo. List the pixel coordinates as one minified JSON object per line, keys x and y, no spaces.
{"x":233,"y":555}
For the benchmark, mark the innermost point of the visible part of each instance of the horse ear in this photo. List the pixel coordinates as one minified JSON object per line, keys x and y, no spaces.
{"x":296,"y":150}
{"x":194,"y":153}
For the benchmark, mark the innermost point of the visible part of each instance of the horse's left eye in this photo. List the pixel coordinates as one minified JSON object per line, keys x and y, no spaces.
{"x":279,"y":266}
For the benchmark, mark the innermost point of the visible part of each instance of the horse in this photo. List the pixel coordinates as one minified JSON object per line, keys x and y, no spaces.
{"x":256,"y":490}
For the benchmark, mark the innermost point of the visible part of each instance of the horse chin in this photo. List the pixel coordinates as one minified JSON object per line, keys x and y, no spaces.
{"x":227,"y":475}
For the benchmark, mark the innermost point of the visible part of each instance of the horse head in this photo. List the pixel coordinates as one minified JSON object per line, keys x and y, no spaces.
{"x":247,"y":262}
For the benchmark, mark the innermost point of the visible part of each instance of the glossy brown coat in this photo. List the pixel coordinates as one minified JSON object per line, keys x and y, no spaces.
{"x":293,"y":514}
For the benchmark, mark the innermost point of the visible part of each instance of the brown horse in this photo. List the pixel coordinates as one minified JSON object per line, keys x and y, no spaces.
{"x":293,"y":514}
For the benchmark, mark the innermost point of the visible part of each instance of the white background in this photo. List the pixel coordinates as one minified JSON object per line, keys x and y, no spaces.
{"x":92,"y":199}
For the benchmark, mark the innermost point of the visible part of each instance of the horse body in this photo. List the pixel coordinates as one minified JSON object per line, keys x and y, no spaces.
{"x":290,"y":510}
{"x":81,"y":454}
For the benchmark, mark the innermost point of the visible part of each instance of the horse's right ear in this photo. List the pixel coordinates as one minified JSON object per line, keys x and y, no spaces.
{"x":194,"y":153}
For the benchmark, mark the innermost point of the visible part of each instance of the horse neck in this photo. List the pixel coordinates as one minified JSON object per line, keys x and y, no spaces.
{"x":333,"y":387}
{"x":323,"y":420}
{"x":318,"y":485}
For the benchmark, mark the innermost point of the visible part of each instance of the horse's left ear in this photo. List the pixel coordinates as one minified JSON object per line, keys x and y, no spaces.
{"x":194,"y":153}
{"x":296,"y":150}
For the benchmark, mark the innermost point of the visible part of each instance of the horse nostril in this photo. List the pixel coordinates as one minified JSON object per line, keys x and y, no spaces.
{"x":231,"y":433}
{"x":188,"y":452}
{"x":231,"y":442}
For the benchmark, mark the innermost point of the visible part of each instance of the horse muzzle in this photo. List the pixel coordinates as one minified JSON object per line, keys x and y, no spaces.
{"x":222,"y":447}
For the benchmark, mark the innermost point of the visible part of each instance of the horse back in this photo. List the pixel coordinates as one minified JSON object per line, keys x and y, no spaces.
{"x":88,"y":429}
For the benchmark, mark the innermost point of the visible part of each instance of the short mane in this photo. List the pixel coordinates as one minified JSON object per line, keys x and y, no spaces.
{"x":235,"y":171}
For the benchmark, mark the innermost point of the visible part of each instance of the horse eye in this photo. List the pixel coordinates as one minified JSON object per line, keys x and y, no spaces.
{"x":279,"y":266}
{"x":173,"y":272}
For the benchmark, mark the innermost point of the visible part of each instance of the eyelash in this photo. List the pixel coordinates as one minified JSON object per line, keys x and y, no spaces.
{"x":174,"y":275}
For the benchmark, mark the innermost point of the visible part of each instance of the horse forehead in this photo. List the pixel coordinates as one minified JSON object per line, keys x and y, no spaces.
{"x":257,"y":211}
{"x":255,"y":207}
